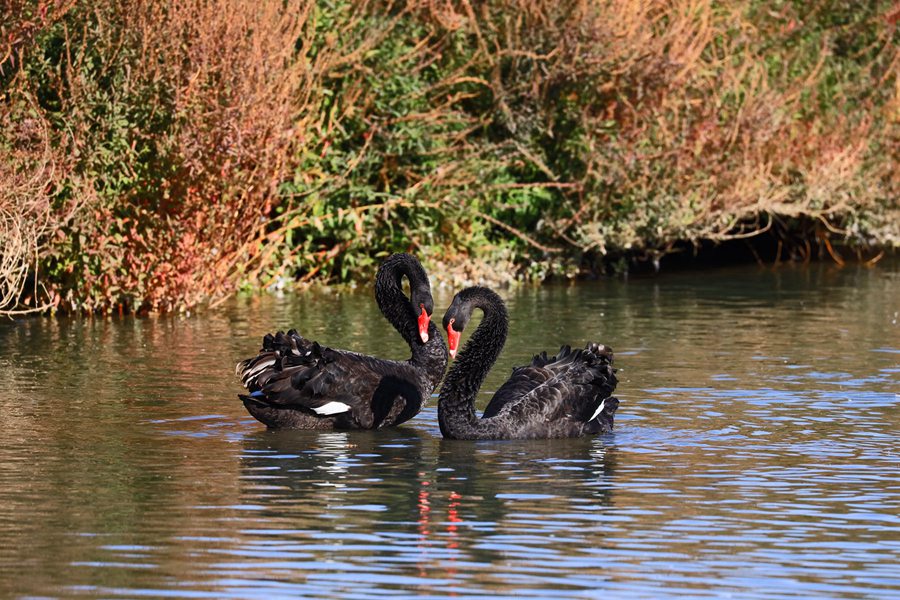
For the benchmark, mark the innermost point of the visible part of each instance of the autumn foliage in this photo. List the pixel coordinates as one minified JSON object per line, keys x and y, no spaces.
{"x":163,"y":154}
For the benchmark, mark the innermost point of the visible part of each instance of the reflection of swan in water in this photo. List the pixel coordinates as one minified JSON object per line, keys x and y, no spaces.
{"x":488,"y":479}
{"x":389,"y":468}
{"x":402,"y":502}
{"x":493,"y":503}
{"x":336,"y":461}
{"x":308,"y":473}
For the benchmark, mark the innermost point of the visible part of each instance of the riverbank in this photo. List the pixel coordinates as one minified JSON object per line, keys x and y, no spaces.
{"x":162,"y":157}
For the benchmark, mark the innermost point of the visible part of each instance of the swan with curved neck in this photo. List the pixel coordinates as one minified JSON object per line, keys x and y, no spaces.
{"x":297,"y":383}
{"x":567,"y":395}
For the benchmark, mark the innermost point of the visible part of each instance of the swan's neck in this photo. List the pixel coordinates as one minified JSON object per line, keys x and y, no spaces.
{"x":396,"y":308}
{"x":393,"y":302}
{"x":456,"y":407}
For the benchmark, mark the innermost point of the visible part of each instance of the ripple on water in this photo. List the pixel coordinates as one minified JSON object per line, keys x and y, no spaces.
{"x":755,"y":456}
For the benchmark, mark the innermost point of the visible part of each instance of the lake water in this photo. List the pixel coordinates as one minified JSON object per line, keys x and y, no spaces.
{"x":755,"y":454}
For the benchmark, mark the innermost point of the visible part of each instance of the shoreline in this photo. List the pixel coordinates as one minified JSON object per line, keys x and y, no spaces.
{"x":741,"y":256}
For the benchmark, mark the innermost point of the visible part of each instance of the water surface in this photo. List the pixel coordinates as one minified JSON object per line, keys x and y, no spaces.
{"x":755,"y":455}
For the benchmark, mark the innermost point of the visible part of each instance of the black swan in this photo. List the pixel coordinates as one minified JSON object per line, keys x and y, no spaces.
{"x":296,"y":383}
{"x":566,"y":395}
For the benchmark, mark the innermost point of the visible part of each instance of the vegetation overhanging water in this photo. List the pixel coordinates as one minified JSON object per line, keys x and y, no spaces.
{"x":159,"y":155}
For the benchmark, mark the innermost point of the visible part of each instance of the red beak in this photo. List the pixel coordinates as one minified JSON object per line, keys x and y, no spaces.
{"x":453,"y":339}
{"x":424,"y":320}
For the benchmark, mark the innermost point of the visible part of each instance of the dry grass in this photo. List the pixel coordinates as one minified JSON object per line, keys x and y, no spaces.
{"x":21,"y":232}
{"x":658,"y":121}
{"x":28,"y":170}
{"x":28,"y":182}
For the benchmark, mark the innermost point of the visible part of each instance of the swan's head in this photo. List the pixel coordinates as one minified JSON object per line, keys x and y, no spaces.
{"x":422,"y":306}
{"x":457,"y":316}
{"x":455,"y":320}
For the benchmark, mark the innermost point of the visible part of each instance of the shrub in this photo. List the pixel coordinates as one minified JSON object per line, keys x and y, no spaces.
{"x":195,"y":147}
{"x":180,"y":118}
{"x":553,"y":135}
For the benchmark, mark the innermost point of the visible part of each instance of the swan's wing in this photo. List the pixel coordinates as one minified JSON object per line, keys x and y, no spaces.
{"x":572,"y":385}
{"x":541,"y":374}
{"x":293,"y":372}
{"x":276,"y":349}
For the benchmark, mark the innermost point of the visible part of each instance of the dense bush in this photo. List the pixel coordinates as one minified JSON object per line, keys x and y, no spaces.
{"x":171,"y":152}
{"x":553,"y":134}
{"x":177,"y":124}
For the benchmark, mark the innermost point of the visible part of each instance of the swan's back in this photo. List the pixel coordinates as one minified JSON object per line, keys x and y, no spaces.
{"x":558,"y":396}
{"x":295,"y":382}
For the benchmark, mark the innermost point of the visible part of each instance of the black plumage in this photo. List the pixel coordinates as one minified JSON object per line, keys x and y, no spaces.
{"x":297,"y":383}
{"x":560,"y":396}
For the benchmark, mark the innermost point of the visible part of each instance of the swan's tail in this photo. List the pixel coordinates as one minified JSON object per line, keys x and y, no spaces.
{"x":603,"y":416}
{"x":278,"y":351}
{"x":600,"y":411}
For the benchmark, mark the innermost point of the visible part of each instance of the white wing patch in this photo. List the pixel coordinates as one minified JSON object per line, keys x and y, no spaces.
{"x":332,"y":408}
{"x":598,"y":411}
